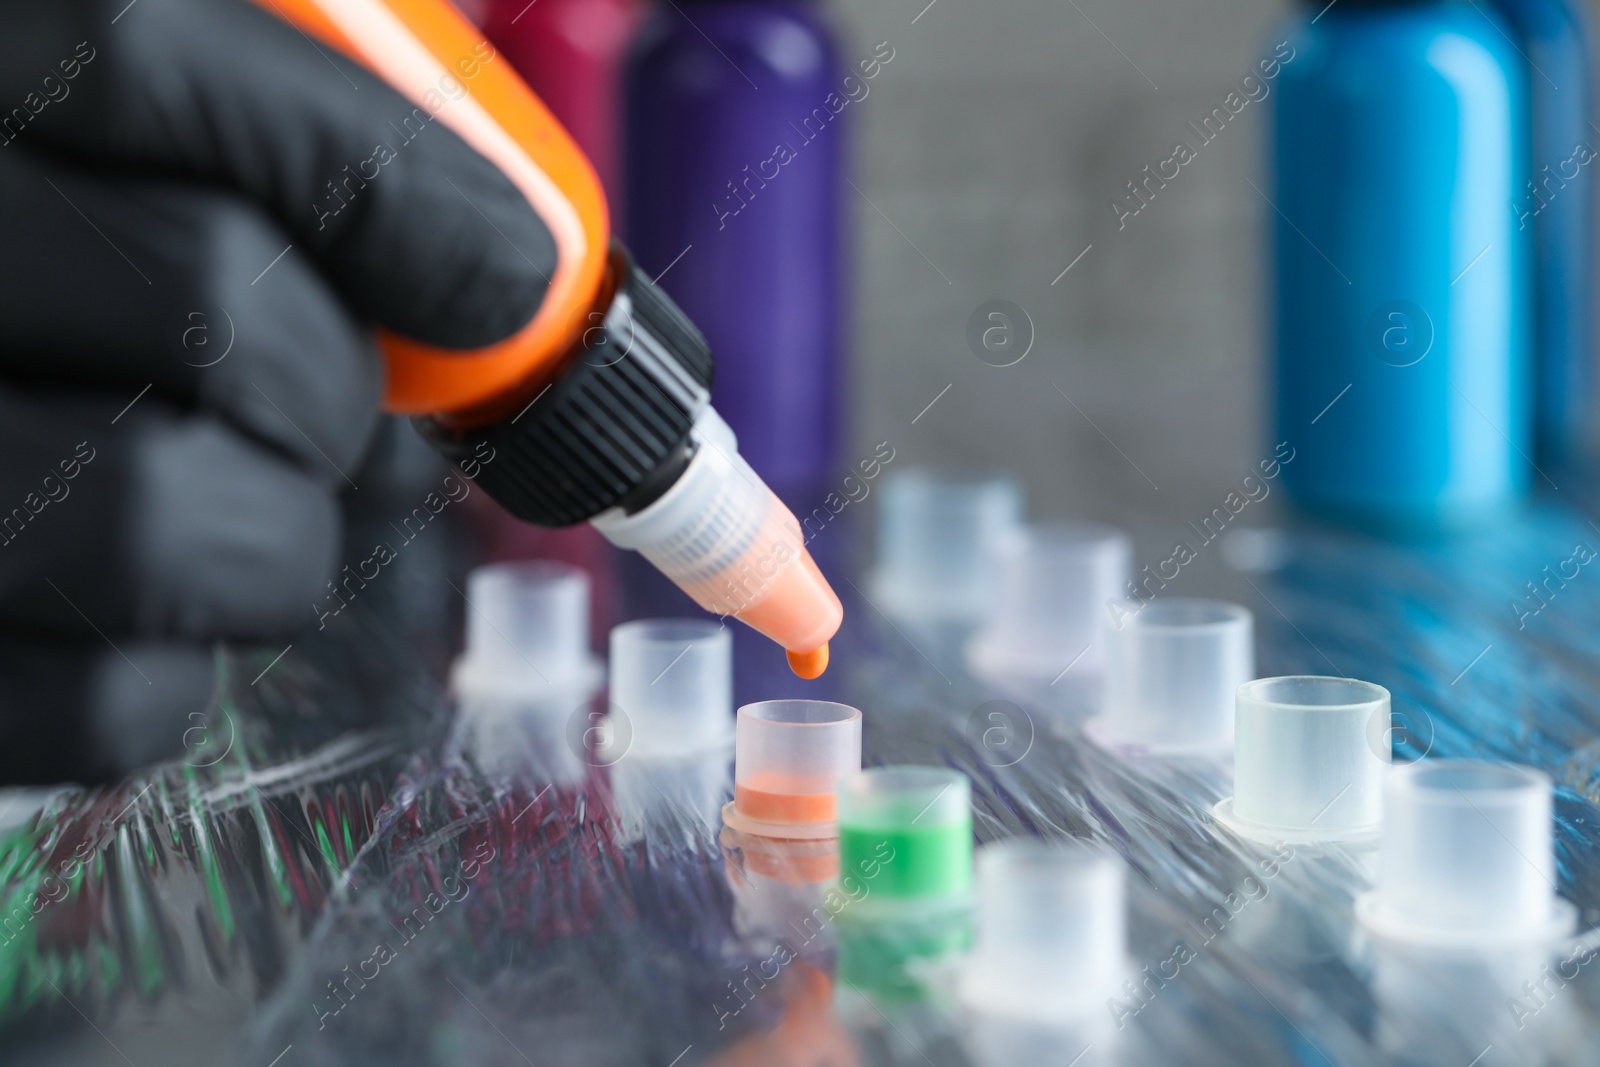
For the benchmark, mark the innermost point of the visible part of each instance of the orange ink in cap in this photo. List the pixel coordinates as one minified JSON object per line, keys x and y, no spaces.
{"x":789,"y":756}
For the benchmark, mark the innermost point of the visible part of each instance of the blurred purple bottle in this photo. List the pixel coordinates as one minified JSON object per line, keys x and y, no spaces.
{"x":734,"y":151}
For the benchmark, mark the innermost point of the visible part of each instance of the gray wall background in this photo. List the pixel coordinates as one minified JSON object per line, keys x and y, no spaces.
{"x":994,"y":141}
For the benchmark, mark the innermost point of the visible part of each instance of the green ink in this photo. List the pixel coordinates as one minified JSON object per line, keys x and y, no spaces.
{"x":915,"y":861}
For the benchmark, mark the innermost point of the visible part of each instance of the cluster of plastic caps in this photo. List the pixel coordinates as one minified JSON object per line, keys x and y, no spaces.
{"x":1464,"y":855}
{"x":1462,"y":850}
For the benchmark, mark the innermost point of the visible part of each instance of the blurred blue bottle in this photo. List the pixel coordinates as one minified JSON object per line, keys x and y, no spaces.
{"x":1403,"y":319}
{"x":1555,"y":203}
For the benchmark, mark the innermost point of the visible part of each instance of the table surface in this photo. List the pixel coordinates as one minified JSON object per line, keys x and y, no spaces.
{"x":343,"y":871}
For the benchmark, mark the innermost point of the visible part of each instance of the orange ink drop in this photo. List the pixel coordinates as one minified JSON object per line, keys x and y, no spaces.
{"x":809,"y":665}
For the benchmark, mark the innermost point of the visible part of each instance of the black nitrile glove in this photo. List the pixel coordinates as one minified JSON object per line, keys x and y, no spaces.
{"x":196,"y":241}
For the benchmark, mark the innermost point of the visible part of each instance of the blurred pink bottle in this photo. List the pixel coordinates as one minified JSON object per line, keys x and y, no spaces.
{"x":571,"y":54}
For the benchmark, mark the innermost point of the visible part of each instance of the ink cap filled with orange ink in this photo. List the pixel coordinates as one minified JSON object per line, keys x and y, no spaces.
{"x":789,"y":757}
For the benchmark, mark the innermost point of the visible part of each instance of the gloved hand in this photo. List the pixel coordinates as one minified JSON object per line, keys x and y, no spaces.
{"x":204,"y":212}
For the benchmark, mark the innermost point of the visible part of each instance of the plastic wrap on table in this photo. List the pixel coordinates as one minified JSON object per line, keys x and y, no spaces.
{"x":163,"y":910}
{"x":532,"y":906}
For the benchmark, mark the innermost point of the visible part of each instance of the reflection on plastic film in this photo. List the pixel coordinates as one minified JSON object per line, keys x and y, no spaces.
{"x":183,"y":877}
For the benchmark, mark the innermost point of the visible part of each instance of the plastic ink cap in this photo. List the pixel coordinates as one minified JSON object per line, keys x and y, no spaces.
{"x":527,"y":634}
{"x":789,"y":756}
{"x":1466,"y":858}
{"x":1309,"y":759}
{"x":673,"y":679}
{"x":906,"y":832}
{"x":939,"y":533}
{"x":1054,"y":582}
{"x":1172,"y":667}
{"x":1051,"y":930}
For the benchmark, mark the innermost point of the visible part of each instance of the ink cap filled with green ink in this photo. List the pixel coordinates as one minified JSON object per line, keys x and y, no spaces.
{"x":913,"y":826}
{"x":905,"y":873}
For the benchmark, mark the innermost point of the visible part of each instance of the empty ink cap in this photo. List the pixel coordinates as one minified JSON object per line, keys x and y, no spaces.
{"x":907,"y":832}
{"x":1172,"y":667}
{"x":1054,"y":582}
{"x":789,"y":756}
{"x":1051,"y":930}
{"x":727,"y":541}
{"x":1308,"y":760}
{"x":527,"y":633}
{"x":938,"y":536}
{"x":1466,"y":858}
{"x":673,"y":679}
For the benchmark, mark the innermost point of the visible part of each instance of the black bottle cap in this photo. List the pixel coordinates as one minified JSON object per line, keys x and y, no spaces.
{"x":612,"y":429}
